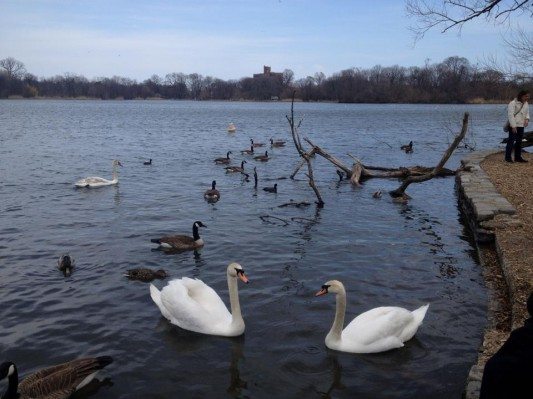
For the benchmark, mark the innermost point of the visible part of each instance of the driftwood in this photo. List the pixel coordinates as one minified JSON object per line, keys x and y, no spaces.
{"x":357,"y":170}
{"x":266,"y":219}
{"x":295,"y":204}
{"x":400,"y":191}
{"x":309,"y":154}
{"x":305,"y":155}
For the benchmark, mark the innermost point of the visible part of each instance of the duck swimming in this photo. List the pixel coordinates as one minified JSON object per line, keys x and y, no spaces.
{"x":145,"y":275}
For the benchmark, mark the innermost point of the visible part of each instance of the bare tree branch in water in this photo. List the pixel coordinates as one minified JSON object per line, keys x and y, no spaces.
{"x":305,"y":155}
{"x":400,"y":191}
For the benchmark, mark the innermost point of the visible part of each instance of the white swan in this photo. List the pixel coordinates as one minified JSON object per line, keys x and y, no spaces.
{"x":100,"y":181}
{"x":193,"y":305}
{"x":378,"y":330}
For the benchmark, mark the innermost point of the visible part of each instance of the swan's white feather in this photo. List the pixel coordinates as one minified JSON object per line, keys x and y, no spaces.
{"x":193,"y":305}
{"x":95,"y":181}
{"x":381,"y":329}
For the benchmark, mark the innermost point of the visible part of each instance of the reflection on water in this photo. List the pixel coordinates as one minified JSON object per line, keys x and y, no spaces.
{"x":236,"y":383}
{"x":336,"y":374}
{"x":385,"y":253}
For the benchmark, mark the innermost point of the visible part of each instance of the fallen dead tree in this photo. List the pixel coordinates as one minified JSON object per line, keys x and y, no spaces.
{"x":359,"y":172}
{"x":306,"y":157}
{"x":400,"y":191}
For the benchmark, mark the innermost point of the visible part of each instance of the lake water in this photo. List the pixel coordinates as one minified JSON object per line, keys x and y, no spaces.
{"x":385,"y":253}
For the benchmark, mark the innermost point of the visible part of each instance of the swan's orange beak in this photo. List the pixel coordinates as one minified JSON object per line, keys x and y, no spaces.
{"x":323,"y":291}
{"x":243,"y":278}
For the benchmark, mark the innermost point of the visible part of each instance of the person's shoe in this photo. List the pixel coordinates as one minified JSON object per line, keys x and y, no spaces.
{"x":521,"y":160}
{"x":509,"y":160}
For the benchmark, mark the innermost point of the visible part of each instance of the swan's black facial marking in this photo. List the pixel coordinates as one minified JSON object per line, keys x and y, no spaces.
{"x":325,"y":287}
{"x":239,"y":271}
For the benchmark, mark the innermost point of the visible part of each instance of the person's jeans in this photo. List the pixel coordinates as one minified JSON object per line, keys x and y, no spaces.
{"x":514,"y":140}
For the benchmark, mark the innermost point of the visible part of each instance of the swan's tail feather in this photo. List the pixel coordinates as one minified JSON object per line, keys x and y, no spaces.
{"x":420,"y":313}
{"x":156,"y":297}
{"x":411,"y":329}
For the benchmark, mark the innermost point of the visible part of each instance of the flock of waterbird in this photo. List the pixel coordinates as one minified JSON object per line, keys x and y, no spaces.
{"x":192,"y":305}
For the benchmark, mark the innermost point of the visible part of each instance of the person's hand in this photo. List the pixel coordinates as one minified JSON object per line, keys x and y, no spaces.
{"x":513,"y":129}
{"x":526,"y":122}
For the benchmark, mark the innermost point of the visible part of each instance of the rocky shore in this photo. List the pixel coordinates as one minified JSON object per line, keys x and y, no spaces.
{"x":497,"y":202}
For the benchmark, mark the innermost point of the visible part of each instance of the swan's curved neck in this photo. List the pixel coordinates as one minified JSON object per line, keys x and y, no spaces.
{"x":233,"y":289}
{"x":115,"y":172}
{"x":336,"y":329}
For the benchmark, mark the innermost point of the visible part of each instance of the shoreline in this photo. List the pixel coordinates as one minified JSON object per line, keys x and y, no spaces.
{"x":495,"y":207}
{"x":284,"y":100}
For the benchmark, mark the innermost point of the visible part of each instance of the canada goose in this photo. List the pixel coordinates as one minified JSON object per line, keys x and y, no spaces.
{"x":148,"y":162}
{"x":181,"y":242}
{"x":145,"y":275}
{"x":339,"y":173}
{"x":255,"y":177}
{"x":272,"y":189}
{"x":93,"y":182}
{"x":223,"y":160}
{"x":256,"y":144}
{"x":55,"y":382}
{"x":65,"y":263}
{"x":262,"y":158}
{"x":377,"y":194}
{"x":407,"y":148}
{"x":277,"y":143}
{"x":235,"y":169}
{"x":212,"y":194}
{"x":248,"y":152}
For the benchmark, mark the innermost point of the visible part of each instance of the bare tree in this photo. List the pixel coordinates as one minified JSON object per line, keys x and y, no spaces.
{"x":14,"y":68}
{"x":448,"y":14}
{"x":520,"y":44}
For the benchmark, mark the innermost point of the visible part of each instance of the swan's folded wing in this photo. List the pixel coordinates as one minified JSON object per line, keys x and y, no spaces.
{"x":193,"y":305}
{"x":95,"y":180}
{"x":378,"y":324}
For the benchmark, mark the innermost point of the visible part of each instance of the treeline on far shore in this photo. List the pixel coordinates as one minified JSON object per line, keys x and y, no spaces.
{"x":454,"y":80}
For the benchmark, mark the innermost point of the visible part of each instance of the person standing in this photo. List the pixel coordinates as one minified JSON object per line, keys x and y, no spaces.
{"x":518,"y":114}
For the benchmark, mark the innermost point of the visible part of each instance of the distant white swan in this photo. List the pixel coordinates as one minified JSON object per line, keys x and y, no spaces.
{"x":194,"y":306}
{"x":377,"y":330}
{"x":94,"y":182}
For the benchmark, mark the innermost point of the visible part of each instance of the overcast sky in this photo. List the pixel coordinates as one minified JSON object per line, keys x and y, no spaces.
{"x":226,"y":39}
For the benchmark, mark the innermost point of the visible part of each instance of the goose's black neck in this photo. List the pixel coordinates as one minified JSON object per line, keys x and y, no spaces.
{"x":195,"y":234}
{"x":242,"y":165}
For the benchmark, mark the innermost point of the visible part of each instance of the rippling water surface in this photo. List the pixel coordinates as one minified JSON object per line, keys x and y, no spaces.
{"x":385,"y":253}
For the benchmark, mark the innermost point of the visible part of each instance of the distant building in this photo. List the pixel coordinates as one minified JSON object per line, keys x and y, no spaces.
{"x":267,"y":73}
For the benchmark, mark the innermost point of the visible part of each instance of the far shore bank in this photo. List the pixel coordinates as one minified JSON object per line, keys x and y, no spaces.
{"x":475,"y":101}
